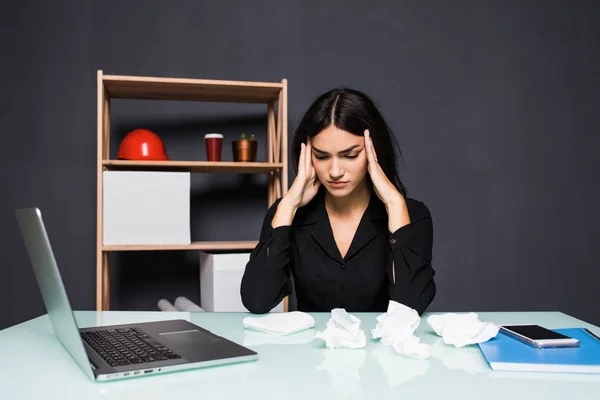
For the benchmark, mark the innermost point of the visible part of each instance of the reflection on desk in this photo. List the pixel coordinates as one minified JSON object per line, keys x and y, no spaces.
{"x":255,"y":338}
{"x":343,"y":367}
{"x":34,"y":365}
{"x":465,"y":359}
{"x":398,"y":369}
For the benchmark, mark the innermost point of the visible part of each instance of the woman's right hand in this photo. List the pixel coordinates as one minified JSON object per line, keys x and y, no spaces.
{"x":306,"y":184}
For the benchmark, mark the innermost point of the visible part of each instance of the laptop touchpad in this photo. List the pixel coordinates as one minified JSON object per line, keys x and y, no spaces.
{"x":188,"y":338}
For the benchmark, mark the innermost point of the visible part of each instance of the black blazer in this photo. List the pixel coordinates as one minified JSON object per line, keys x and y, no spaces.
{"x":361,"y":281}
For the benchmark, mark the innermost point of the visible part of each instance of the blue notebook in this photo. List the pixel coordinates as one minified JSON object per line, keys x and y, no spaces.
{"x":506,"y":354}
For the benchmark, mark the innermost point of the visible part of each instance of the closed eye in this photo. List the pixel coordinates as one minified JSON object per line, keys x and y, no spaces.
{"x":321,"y":157}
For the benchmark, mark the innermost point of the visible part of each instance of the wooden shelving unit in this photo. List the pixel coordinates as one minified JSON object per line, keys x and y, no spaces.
{"x":272,"y":94}
{"x":204,"y":246}
{"x":194,"y":166}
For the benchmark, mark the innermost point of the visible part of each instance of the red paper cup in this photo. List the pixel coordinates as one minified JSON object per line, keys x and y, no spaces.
{"x":214,"y":144}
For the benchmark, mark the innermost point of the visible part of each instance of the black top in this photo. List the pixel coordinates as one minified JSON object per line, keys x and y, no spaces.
{"x":360,"y":281}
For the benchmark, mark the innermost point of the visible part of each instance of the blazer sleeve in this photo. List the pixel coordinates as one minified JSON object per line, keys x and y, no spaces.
{"x":412,"y":247}
{"x":266,"y":280}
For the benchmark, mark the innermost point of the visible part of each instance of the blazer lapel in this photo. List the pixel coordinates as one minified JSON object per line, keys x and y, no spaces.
{"x":367,"y":229}
{"x":323,"y":234}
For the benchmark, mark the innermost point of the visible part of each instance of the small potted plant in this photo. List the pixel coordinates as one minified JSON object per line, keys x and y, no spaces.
{"x":244,"y":149}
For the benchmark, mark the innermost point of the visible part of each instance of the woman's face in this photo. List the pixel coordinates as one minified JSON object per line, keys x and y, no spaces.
{"x":339,"y":159}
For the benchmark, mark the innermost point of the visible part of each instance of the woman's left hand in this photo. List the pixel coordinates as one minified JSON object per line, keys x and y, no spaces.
{"x":385,"y":190}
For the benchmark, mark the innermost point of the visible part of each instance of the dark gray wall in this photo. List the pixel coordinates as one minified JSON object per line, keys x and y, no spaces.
{"x":495,"y":104}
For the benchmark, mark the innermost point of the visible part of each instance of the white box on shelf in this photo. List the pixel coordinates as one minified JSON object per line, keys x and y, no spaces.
{"x":146,"y":208}
{"x":220,"y":280}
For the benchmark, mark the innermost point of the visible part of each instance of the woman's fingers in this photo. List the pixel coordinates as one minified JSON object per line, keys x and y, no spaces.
{"x":301,"y":166}
{"x":369,"y":147}
{"x":308,"y":158}
{"x":371,"y":155}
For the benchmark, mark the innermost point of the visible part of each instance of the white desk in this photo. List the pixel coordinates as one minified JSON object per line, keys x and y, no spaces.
{"x":34,"y":365}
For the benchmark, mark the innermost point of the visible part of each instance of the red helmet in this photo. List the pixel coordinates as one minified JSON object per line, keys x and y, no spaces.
{"x":142,"y":144}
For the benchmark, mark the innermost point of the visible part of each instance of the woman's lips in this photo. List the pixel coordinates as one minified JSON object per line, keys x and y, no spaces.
{"x":338,"y":184}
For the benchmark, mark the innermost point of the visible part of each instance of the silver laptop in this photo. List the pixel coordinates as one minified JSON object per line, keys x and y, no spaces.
{"x":120,"y":351}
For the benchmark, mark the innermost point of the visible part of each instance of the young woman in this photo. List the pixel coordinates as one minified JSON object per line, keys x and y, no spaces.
{"x":345,"y":230}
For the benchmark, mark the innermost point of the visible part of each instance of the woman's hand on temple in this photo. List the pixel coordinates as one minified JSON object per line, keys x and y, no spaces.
{"x":385,"y":190}
{"x":306,"y":184}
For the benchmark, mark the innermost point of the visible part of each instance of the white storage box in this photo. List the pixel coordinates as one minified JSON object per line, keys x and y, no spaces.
{"x":146,"y":208}
{"x":220,"y":280}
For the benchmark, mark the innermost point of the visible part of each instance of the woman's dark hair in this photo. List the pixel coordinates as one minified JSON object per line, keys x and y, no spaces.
{"x":351,"y":111}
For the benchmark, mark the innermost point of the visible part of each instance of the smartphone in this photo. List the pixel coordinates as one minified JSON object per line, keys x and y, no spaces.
{"x":538,"y":336}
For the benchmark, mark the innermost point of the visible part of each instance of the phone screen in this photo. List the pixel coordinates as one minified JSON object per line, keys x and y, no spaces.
{"x":535,"y":332}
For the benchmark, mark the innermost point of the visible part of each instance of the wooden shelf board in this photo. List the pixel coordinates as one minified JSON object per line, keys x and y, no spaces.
{"x":205,"y":246}
{"x":157,"y":88}
{"x":194,"y":166}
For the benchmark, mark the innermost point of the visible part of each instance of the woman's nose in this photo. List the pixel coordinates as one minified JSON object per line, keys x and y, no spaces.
{"x":335,"y":170}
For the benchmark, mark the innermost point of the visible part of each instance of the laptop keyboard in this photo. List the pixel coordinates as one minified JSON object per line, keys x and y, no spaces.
{"x":126,"y":346}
